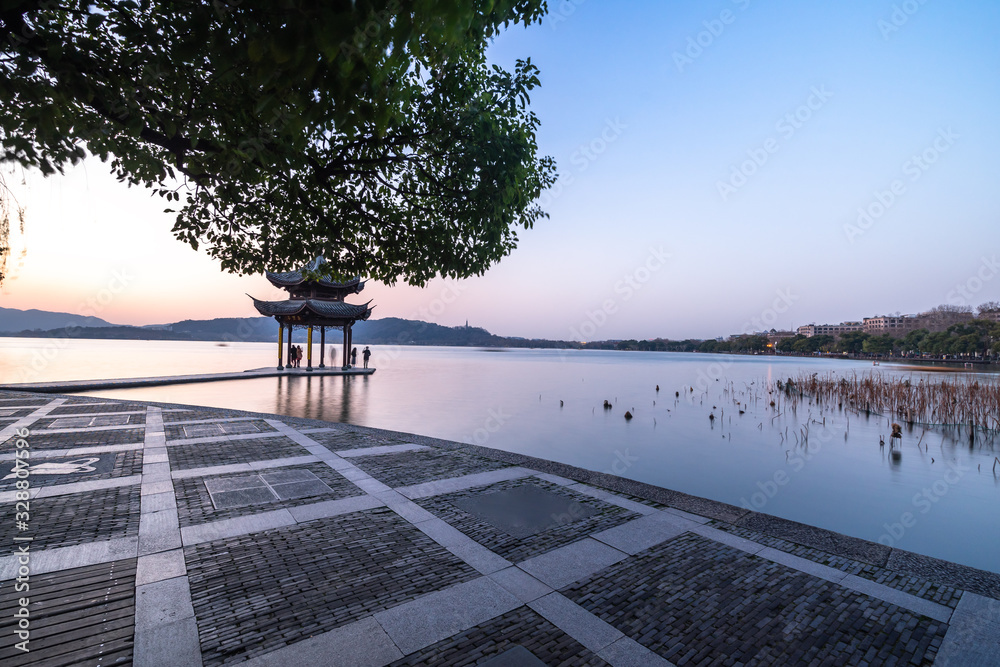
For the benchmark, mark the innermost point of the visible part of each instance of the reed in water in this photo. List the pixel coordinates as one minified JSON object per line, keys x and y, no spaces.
{"x":972,"y":402}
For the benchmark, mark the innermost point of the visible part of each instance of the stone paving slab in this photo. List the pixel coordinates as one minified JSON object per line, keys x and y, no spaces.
{"x":369,"y":552}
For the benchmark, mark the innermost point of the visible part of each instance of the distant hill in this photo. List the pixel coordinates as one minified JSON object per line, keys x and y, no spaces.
{"x":387,"y":331}
{"x":12,"y":319}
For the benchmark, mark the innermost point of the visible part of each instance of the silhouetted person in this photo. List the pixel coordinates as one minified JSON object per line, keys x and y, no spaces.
{"x":354,"y":357}
{"x":366,"y":354}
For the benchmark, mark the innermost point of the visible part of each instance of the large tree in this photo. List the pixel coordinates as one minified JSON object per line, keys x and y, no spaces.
{"x":371,"y":131}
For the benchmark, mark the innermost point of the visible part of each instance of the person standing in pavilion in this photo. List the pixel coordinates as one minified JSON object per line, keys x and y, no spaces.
{"x":354,"y":357}
{"x":367,"y":353}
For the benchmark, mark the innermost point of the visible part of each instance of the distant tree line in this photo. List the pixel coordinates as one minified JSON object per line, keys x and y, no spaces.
{"x":974,"y":338}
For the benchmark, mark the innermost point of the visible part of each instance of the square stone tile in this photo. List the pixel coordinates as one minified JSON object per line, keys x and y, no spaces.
{"x":300,"y":489}
{"x":238,"y":428}
{"x":578,"y":516}
{"x":201,"y":430}
{"x":242,"y":497}
{"x":111,"y":420}
{"x":217,"y":484}
{"x":195,"y":504}
{"x":524,"y":510}
{"x":71,"y":422}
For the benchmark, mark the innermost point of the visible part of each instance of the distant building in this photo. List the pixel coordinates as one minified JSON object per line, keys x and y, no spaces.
{"x":894,"y":325}
{"x":835,"y":330}
{"x":992,"y":315}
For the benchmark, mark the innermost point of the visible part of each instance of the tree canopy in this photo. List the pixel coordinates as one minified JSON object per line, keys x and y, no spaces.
{"x":373,"y":132}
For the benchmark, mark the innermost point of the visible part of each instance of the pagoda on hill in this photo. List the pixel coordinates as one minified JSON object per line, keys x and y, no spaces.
{"x":313,"y":303}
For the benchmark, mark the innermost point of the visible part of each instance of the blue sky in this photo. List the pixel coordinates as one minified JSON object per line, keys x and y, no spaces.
{"x":714,"y":157}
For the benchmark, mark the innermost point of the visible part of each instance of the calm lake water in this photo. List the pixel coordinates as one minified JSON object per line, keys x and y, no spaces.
{"x":940,"y":499}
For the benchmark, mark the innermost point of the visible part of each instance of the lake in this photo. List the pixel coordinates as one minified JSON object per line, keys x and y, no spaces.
{"x":939,"y":499}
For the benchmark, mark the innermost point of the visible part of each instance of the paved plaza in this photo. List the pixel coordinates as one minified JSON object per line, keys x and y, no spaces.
{"x":178,"y":535}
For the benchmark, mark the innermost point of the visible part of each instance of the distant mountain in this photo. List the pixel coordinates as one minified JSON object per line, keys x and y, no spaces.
{"x":12,"y":319}
{"x":387,"y":331}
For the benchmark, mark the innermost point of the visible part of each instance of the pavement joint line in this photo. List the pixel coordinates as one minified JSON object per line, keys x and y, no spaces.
{"x":382,"y":449}
{"x":88,"y":429}
{"x":25,"y":422}
{"x":362,"y":643}
{"x":626,"y":652}
{"x":68,"y":415}
{"x":237,"y":526}
{"x":612,"y":498}
{"x":643,"y":533}
{"x":899,"y":598}
{"x":576,"y":621}
{"x":453,"y":484}
{"x":578,"y":560}
{"x":167,"y":600}
{"x":83,"y":487}
{"x":77,"y":555}
{"x":222,"y":438}
{"x":428,"y":619}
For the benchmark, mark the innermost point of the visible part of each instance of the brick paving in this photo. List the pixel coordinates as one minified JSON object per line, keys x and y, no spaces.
{"x":494,"y":560}
{"x":698,"y":602}
{"x":42,"y":440}
{"x":918,"y":586}
{"x":409,"y":468}
{"x":250,"y":597}
{"x":78,"y":518}
{"x":203,"y":455}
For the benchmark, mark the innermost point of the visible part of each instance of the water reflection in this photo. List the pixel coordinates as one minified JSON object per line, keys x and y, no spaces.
{"x":803,"y":461}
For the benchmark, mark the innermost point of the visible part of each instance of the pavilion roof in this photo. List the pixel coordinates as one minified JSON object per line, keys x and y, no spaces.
{"x":317,"y":308}
{"x":293,"y":278}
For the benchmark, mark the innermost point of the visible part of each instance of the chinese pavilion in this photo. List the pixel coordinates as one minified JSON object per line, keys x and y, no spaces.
{"x":313,"y":303}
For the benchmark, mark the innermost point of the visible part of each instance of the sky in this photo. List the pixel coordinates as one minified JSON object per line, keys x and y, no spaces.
{"x":725,"y":166}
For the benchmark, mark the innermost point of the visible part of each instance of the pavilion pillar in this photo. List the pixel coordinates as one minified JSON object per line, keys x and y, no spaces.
{"x":309,"y":349}
{"x":281,"y":338}
{"x":322,"y":347}
{"x":344,"y":366}
{"x":290,"y":350}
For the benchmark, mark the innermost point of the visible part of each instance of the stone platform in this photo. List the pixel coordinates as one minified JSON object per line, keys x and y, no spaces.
{"x":178,"y":535}
{"x":128,"y":383}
